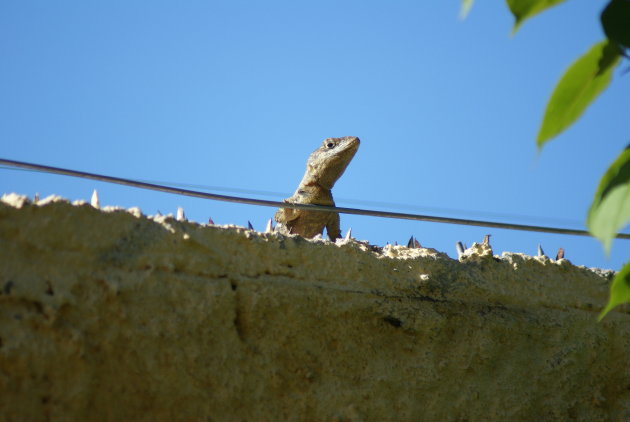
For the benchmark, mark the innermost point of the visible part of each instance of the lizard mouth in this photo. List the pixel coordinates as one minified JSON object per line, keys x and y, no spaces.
{"x":344,"y":145}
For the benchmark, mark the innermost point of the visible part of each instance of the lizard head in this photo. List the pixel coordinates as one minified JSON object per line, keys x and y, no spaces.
{"x":328,"y":162}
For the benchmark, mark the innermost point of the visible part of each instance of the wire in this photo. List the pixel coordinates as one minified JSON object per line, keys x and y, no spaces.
{"x":367,"y":203}
{"x":308,"y":207}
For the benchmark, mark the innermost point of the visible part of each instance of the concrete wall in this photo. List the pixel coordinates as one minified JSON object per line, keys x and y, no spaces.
{"x":112,"y":315}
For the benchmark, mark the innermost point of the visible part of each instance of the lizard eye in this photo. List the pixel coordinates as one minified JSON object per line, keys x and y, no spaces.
{"x":330,"y":144}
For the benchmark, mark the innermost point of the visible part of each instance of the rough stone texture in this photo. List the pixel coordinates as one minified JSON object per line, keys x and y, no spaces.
{"x":111,"y":315}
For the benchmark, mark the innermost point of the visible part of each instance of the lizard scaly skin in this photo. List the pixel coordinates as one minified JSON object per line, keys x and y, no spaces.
{"x":323,"y":168}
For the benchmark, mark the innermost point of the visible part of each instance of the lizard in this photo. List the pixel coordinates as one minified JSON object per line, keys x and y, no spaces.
{"x":324,"y":167}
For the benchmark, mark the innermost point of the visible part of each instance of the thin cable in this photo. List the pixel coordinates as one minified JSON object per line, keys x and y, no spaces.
{"x":277,"y":204}
{"x":378,"y":204}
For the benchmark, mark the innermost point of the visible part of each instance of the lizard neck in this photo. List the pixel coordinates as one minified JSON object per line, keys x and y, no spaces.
{"x":311,"y":182}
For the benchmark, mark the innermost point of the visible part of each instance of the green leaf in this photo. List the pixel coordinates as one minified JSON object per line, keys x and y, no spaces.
{"x":583,"y":81}
{"x":616,"y":22}
{"x":610,"y":210}
{"x":465,"y":9}
{"x":619,"y":290}
{"x":524,"y":9}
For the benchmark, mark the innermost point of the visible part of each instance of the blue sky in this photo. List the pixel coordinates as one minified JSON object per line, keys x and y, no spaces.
{"x":236,"y":95}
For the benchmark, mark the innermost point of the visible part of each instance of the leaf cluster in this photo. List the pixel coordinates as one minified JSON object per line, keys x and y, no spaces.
{"x":580,"y":85}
